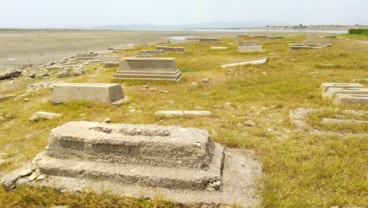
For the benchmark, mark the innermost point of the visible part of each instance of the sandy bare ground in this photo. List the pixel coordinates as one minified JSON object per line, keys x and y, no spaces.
{"x":21,"y":47}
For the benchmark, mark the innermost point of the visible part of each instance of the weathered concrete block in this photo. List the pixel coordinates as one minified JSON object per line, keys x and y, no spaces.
{"x":245,"y":62}
{"x":171,"y":49}
{"x":182,"y":113}
{"x":332,"y":92}
{"x":132,"y":144}
{"x":96,"y":92}
{"x":351,"y":99}
{"x":149,"y":69}
{"x":326,"y":86}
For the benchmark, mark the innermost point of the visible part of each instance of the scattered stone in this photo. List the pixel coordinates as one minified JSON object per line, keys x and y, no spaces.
{"x":32,"y":76}
{"x":42,"y":115}
{"x":164,"y":91}
{"x":182,"y":113}
{"x":205,"y":80}
{"x":25,"y":172}
{"x":63,"y":74}
{"x":298,"y":115}
{"x":121,"y":101}
{"x":153,"y":89}
{"x":194,"y":84}
{"x":227,"y":105}
{"x":110,"y":65}
{"x":107,"y":121}
{"x":10,"y":74}
{"x":249,"y":123}
{"x":26,"y":99}
{"x":34,"y":176}
{"x":77,"y":71}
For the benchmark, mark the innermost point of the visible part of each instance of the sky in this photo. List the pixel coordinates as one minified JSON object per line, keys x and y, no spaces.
{"x":86,"y":13}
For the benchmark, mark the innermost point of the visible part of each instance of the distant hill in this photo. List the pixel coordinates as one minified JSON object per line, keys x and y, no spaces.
{"x":208,"y":25}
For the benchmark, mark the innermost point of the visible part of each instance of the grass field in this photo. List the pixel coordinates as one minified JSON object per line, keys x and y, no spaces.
{"x":300,"y":169}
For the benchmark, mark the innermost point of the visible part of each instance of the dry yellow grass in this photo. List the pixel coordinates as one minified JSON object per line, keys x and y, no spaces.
{"x":300,"y":170}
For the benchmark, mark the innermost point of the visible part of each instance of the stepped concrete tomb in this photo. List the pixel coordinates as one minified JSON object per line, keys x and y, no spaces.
{"x":171,"y":49}
{"x":351,"y":99}
{"x":96,"y":92}
{"x":181,"y":164}
{"x":249,"y":47}
{"x":345,"y":93}
{"x":148,"y":69}
{"x":326,"y":86}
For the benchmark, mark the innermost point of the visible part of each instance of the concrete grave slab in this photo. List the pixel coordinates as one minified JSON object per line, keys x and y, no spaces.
{"x":249,"y":47}
{"x":332,"y":92}
{"x":171,"y":49}
{"x":255,"y":61}
{"x":326,"y":86}
{"x":182,"y":113}
{"x":148,"y":69}
{"x":218,"y":48}
{"x":300,"y":46}
{"x":275,"y":38}
{"x":42,"y":115}
{"x":96,"y":92}
{"x":317,"y":42}
{"x":342,"y":121}
{"x":351,"y":99}
{"x":181,"y":164}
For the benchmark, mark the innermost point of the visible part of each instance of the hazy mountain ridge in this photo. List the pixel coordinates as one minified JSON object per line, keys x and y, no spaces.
{"x":208,"y":25}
